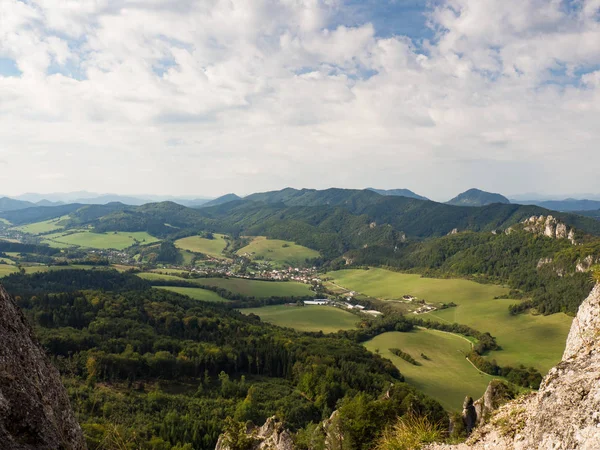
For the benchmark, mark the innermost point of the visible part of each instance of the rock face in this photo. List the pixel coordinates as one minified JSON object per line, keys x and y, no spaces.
{"x":549,"y":227}
{"x":565,"y":413}
{"x":271,"y":436}
{"x":34,"y":408}
{"x":477,"y":412}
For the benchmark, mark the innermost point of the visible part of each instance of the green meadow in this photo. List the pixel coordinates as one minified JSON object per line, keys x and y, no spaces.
{"x":307,"y":318}
{"x":536,"y":341}
{"x":197,"y":244}
{"x":42,"y":227}
{"x":447,"y":376}
{"x":282,"y":253}
{"x":250,"y":288}
{"x":110,"y":240}
{"x":196,"y":293}
{"x":6,"y":269}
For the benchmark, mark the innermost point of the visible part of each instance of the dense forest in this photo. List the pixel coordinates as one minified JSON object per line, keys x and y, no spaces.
{"x":147,"y":368}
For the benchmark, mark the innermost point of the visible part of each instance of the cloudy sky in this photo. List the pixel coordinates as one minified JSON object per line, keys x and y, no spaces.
{"x":206,"y":97}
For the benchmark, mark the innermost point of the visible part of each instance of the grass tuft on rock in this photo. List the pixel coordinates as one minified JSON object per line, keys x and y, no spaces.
{"x":410,"y":433}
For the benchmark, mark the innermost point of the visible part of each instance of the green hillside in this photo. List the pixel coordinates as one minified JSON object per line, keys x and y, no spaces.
{"x":446,"y":375}
{"x":282,"y":253}
{"x":525,"y":339}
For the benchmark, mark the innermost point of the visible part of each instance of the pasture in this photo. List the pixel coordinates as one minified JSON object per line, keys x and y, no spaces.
{"x":197,"y":244}
{"x":196,"y":293}
{"x":6,"y":269}
{"x":536,"y":341}
{"x":306,"y":318}
{"x":42,"y":227}
{"x":243,"y":286}
{"x":281,"y":253}
{"x":110,"y":240}
{"x":447,"y":376}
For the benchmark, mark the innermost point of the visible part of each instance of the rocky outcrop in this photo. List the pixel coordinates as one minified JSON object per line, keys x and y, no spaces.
{"x":543,"y":262}
{"x":586,"y":264}
{"x":565,"y":413}
{"x":34,"y":408}
{"x":271,"y":436}
{"x":550,"y":227}
{"x":477,"y":412}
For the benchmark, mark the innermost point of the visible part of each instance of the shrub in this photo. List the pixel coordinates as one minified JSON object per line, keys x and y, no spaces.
{"x":410,"y":433}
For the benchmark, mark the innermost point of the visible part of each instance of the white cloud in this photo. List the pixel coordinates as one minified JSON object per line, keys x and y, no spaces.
{"x":263,"y":94}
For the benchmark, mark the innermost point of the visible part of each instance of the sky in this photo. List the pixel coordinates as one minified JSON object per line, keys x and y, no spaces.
{"x":207,"y":97}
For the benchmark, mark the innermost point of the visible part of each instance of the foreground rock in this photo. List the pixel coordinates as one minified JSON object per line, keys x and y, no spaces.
{"x":271,"y":436}
{"x":34,"y":409}
{"x":565,"y":413}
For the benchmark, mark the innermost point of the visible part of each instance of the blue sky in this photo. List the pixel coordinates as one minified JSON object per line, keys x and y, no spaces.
{"x":203,"y":98}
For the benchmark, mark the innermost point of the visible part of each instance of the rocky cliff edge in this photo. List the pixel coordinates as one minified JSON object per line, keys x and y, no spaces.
{"x":34,"y":408}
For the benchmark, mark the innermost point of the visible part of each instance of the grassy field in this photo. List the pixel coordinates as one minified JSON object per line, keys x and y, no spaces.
{"x":251,"y":288}
{"x":210,"y":247}
{"x":187,"y":256}
{"x":307,"y":318}
{"x":537,"y":341}
{"x":282,"y":253}
{"x":6,"y":269}
{"x":112,"y":240}
{"x":447,"y":376}
{"x":42,"y":227}
{"x":36,"y":269}
{"x":525,"y":339}
{"x":196,"y":293}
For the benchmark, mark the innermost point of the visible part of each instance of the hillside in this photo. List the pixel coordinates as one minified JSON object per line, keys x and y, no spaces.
{"x":9,"y":204}
{"x":331,"y":221}
{"x":398,"y":192}
{"x":476,"y":197}
{"x":220,"y":200}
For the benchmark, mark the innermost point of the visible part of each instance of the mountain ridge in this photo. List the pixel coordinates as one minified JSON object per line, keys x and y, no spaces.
{"x":477,"y":197}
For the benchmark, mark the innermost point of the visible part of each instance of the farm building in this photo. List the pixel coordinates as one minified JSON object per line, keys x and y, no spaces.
{"x":317,"y":302}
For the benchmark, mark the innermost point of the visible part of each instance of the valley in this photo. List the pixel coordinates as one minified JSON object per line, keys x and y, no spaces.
{"x":531,"y":340}
{"x":458,"y":309}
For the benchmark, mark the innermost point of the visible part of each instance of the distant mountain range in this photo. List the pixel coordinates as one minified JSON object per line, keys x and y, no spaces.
{"x":477,"y":197}
{"x":332,"y":221}
{"x":569,"y":204}
{"x":91,"y":198}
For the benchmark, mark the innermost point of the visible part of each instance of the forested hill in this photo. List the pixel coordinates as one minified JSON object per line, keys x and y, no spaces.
{"x":332,"y":221}
{"x":476,"y":197}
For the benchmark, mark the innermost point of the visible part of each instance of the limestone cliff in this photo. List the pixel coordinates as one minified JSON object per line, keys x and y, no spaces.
{"x":271,"y":436}
{"x":34,"y":408}
{"x":565,"y":413}
{"x":550,"y":227}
